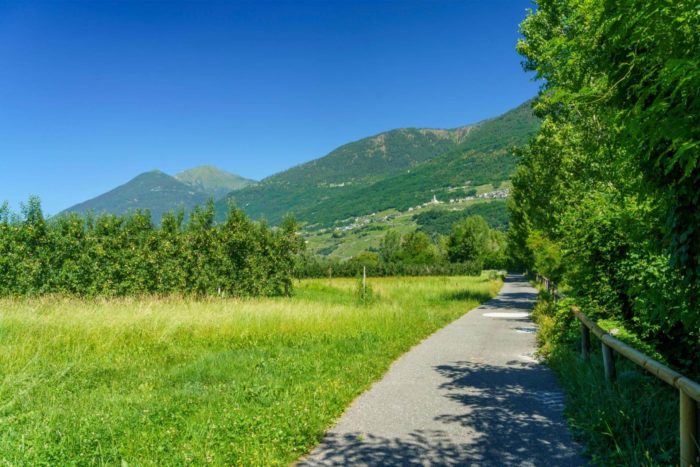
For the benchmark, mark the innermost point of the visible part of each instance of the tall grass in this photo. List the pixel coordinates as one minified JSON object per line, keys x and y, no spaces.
{"x":169,"y":381}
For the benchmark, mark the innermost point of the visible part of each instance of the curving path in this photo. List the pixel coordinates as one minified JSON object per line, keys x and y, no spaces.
{"x":470,"y":394}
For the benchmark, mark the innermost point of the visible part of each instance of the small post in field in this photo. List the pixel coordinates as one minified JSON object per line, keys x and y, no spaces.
{"x":364,"y":280}
{"x":608,"y":362}
{"x":689,"y":430}
{"x":585,"y":342}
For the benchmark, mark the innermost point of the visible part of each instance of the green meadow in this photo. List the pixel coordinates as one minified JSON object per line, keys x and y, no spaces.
{"x":173,"y":381}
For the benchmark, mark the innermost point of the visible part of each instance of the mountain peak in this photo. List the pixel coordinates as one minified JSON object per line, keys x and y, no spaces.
{"x":154,"y":190}
{"x":213,"y":181}
{"x":201,"y":169}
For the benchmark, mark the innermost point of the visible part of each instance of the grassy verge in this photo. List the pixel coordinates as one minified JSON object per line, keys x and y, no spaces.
{"x":633,"y":421}
{"x":225,"y":382}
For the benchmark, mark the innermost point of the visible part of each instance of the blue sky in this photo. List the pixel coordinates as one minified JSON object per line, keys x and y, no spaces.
{"x":94,"y":93}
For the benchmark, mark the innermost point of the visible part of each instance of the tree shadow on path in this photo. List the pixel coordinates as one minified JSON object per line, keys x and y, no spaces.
{"x":516,"y":412}
{"x":510,"y":416}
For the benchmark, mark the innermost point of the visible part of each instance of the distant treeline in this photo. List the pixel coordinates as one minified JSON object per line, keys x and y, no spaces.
{"x":107,"y":255}
{"x":440,"y":222}
{"x":470,"y":247}
{"x":324,"y":267}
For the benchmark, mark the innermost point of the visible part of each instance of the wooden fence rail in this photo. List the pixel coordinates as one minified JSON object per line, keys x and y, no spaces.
{"x":688,"y":389}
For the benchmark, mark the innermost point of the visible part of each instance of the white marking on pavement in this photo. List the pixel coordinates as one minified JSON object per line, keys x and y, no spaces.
{"x":528,"y":358}
{"x":507,"y":315}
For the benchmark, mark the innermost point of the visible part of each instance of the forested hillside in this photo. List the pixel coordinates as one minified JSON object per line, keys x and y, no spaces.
{"x":397,"y":169}
{"x":155,"y":191}
{"x":440,"y":222}
{"x":486,"y":156}
{"x":393,"y":170}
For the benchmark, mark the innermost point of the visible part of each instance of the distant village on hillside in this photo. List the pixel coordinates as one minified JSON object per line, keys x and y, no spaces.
{"x":362,"y":221}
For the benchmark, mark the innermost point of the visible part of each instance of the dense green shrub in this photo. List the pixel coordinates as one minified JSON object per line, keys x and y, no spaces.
{"x":469,"y":240}
{"x":109,"y":255}
{"x":472,"y":240}
{"x":416,"y":254}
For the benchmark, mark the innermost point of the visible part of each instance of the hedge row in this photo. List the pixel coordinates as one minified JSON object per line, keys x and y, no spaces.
{"x":109,"y":255}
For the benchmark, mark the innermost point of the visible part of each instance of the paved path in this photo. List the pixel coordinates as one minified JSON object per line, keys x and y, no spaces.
{"x":470,"y":394}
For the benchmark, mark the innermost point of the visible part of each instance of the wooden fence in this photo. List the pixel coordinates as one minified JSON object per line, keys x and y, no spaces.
{"x":688,"y":389}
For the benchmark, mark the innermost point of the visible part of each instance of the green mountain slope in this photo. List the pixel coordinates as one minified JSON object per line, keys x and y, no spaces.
{"x":213,"y":181}
{"x":160,"y":192}
{"x":344,"y":170}
{"x":486,"y":156}
{"x":440,"y":221}
{"x":156,"y":191}
{"x":398,"y":169}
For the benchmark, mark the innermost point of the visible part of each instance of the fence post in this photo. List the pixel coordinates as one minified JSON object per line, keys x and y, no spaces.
{"x":364,"y":280}
{"x":608,"y":362}
{"x":585,"y":341}
{"x":689,"y":430}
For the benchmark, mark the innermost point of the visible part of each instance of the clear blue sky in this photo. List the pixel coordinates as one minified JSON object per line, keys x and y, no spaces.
{"x":94,"y":93}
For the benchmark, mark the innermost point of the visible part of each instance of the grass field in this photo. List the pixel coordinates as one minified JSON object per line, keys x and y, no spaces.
{"x":225,"y":382}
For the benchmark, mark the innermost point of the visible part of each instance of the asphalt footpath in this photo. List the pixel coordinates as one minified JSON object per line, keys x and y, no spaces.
{"x":472,"y":393}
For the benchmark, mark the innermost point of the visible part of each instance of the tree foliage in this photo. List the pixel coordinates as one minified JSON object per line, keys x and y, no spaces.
{"x":606,"y":193}
{"x":110,"y":255}
{"x":414,"y":254}
{"x":469,"y":240}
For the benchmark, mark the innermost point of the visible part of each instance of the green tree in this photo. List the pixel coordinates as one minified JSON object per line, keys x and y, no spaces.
{"x":469,"y":240}
{"x":417,"y":248}
{"x":605,"y":194}
{"x":390,"y":248}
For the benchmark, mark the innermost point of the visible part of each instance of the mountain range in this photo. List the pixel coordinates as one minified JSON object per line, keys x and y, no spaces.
{"x":395,"y":169}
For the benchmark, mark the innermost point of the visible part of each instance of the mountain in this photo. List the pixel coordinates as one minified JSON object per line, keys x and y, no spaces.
{"x":348,"y":168}
{"x":160,"y":192}
{"x":396,"y":169}
{"x":213,"y":181}
{"x":485,"y":157}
